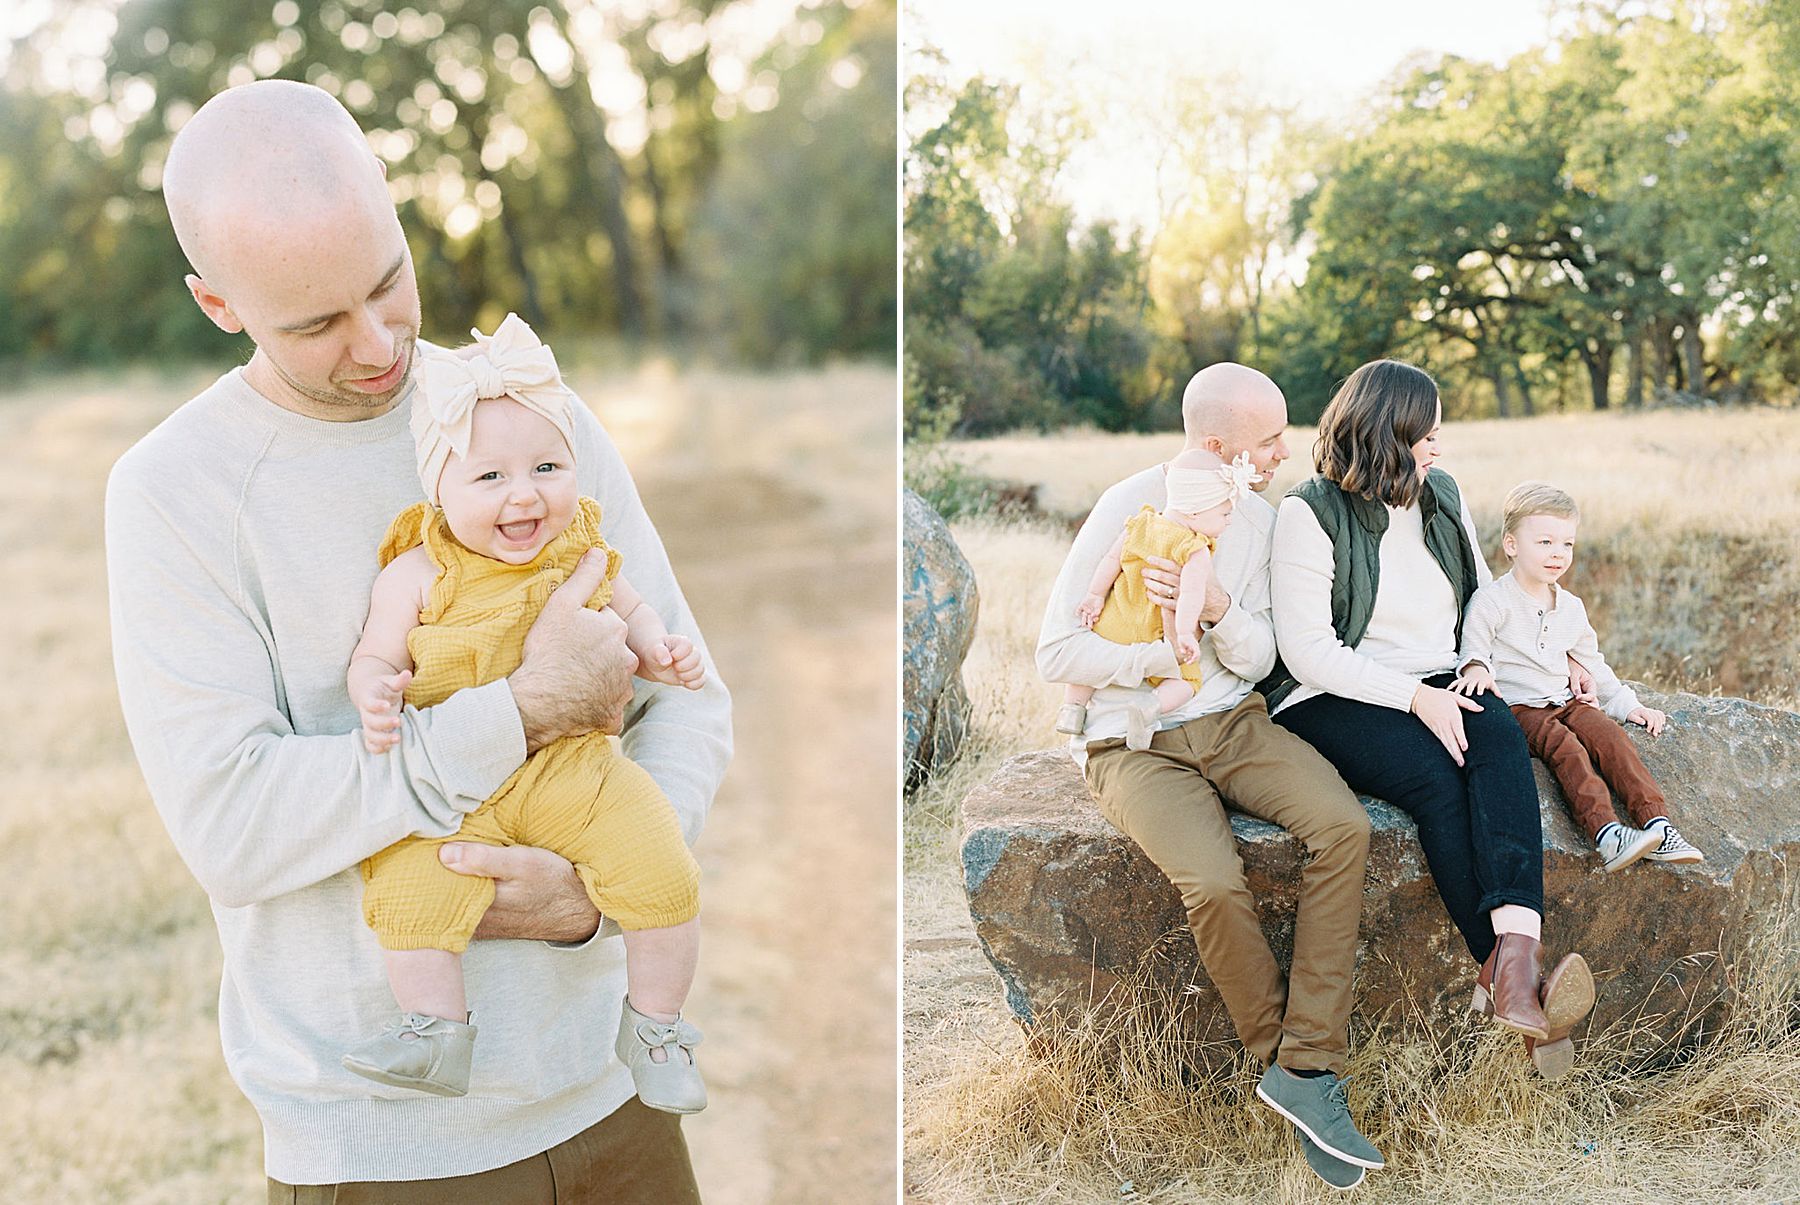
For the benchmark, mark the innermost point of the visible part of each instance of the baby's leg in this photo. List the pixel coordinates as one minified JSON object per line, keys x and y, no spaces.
{"x":1172,"y":693}
{"x":1078,"y":695}
{"x":659,"y":969}
{"x":428,"y":982}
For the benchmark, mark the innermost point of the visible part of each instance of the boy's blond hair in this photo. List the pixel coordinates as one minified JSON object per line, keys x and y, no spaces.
{"x":1530,"y":498}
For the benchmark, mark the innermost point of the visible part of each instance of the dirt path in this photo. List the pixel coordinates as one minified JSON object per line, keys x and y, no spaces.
{"x":781,"y":526}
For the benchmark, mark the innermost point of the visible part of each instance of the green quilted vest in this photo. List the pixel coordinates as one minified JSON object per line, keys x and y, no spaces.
{"x":1356,"y":526}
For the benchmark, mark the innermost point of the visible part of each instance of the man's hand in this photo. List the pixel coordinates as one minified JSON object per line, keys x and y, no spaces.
{"x":673,"y":661}
{"x":537,"y":894}
{"x":1162,"y":583}
{"x":576,"y":673}
{"x":378,"y":702}
{"x":1649,"y":717}
{"x":1474,"y":680}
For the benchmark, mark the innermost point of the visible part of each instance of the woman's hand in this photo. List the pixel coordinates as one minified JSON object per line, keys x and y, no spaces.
{"x":1441,"y":712}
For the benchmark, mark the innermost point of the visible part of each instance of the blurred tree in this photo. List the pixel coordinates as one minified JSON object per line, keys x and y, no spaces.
{"x":546,"y":156}
{"x":792,"y":269}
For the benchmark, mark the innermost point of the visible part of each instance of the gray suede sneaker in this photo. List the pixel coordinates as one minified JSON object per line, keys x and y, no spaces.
{"x":1316,"y":1106}
{"x":1335,"y":1172}
{"x":430,"y":1054}
{"x":674,"y":1085}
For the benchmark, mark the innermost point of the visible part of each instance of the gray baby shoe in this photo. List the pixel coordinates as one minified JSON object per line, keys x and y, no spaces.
{"x":673,"y":1086}
{"x":430,"y":1054}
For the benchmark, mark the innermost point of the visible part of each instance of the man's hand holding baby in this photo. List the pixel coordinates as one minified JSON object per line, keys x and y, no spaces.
{"x":1162,"y":582}
{"x":576,"y":673}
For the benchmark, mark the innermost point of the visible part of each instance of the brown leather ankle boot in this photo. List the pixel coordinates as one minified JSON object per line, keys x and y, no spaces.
{"x":1568,"y":995}
{"x":1507,"y":987}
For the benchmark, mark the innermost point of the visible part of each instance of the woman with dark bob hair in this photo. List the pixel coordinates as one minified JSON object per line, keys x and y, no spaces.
{"x":1373,"y":563}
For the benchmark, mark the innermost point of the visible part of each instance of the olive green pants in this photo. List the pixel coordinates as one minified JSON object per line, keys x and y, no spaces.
{"x":1171,"y":799}
{"x":633,"y":1156}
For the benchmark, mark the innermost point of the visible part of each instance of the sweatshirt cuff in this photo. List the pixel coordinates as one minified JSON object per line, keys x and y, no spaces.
{"x":1390,"y":688}
{"x":478,"y":740}
{"x":1622,"y":704}
{"x":608,"y":928}
{"x":1232,"y":627}
{"x":1160,"y":661}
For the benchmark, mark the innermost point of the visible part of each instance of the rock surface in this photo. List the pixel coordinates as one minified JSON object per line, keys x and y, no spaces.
{"x":939,"y":614}
{"x":1064,"y":903}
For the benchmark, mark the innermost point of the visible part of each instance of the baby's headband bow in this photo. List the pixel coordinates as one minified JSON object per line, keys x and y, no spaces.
{"x":1194,"y":490}
{"x":512,"y":363}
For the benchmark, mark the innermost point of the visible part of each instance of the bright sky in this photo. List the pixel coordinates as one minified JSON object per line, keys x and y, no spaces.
{"x":1323,"y":55}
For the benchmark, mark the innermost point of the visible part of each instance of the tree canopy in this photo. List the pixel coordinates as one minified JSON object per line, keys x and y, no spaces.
{"x":1601,"y":220}
{"x":664,"y":170}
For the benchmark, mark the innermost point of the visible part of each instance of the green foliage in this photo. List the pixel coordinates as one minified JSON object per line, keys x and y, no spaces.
{"x":1015,"y":315}
{"x":797,"y":235}
{"x":685,"y":216}
{"x":1601,"y":221}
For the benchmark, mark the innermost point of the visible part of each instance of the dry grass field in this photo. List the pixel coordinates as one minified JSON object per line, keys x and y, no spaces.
{"x":775,"y":496}
{"x":1690,"y":562}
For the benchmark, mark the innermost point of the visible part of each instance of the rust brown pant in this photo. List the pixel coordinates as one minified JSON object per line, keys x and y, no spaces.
{"x":1171,"y":799}
{"x":633,"y":1156}
{"x":1571,"y":739}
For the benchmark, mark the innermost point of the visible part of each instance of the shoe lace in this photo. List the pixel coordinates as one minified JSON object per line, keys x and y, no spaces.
{"x":671,"y":1037}
{"x":414,"y":1023}
{"x":1335,"y":1092}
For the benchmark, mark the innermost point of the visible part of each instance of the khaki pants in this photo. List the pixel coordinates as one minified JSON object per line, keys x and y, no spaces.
{"x":1168,"y":799}
{"x":1570,"y":739}
{"x":633,"y":1156}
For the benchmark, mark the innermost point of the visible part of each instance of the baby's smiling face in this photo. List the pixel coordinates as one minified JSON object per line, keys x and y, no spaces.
{"x":516,"y":489}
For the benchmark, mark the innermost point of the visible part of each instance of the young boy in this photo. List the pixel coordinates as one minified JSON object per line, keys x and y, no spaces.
{"x":1518,"y":635}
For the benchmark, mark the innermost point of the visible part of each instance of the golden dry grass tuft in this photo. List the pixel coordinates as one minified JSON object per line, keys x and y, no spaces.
{"x":1689,"y":564}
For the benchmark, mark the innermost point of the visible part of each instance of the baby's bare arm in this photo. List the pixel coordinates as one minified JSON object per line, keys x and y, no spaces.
{"x":661,"y":656}
{"x":394,"y":607}
{"x":1191,"y":598}
{"x":381,"y":665}
{"x":1107,"y":571}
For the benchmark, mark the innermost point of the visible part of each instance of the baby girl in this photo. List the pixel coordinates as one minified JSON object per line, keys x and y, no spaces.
{"x":465,"y":575}
{"x":1202,"y":492}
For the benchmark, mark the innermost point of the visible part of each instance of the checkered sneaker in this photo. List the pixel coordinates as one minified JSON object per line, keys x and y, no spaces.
{"x":1674,"y":847}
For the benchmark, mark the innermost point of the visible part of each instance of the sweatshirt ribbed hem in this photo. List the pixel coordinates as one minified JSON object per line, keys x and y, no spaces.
{"x":331,"y":1142}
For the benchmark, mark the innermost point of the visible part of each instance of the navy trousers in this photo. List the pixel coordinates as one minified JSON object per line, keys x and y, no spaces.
{"x":1478,"y":823}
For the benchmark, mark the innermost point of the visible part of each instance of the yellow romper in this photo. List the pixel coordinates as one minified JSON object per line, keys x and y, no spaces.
{"x":579,"y":796}
{"x":1129,"y":616}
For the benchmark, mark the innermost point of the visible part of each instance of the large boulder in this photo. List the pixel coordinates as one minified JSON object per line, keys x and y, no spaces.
{"x":940,"y":608}
{"x":1070,"y":911}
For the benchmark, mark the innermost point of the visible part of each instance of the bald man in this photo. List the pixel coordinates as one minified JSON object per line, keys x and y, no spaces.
{"x":241,"y":537}
{"x":1220,"y":751}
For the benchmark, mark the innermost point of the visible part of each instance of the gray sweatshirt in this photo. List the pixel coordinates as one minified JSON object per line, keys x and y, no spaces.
{"x":240,"y":547}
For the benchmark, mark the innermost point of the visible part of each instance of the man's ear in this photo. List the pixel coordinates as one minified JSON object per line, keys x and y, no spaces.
{"x":212,"y":305}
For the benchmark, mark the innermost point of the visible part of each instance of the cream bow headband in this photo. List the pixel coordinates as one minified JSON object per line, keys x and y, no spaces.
{"x":1194,"y":490}
{"x":512,"y":363}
